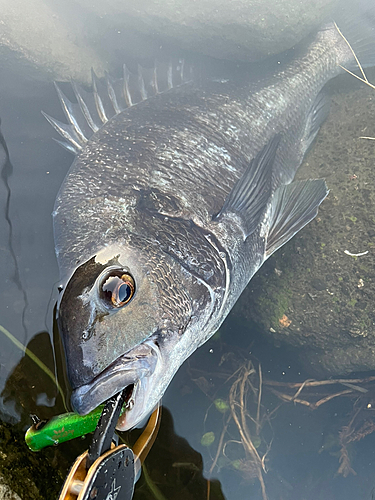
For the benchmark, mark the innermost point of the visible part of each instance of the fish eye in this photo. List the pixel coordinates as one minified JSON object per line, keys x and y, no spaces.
{"x":117,"y":288}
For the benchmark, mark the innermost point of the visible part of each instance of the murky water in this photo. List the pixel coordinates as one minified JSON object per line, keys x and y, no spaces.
{"x":201,"y":451}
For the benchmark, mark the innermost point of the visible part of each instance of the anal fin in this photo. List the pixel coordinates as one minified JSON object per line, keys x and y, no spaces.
{"x":293,"y":206}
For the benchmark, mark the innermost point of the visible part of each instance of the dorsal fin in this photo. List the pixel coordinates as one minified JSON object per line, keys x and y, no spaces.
{"x":293,"y":206}
{"x":250,"y":194}
{"x":109,"y":97}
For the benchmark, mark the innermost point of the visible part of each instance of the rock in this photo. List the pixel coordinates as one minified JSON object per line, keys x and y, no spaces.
{"x":33,"y":476}
{"x":6,"y":493}
{"x":65,"y":40}
{"x":246,"y":30}
{"x":37,"y":33}
{"x":326,"y":294}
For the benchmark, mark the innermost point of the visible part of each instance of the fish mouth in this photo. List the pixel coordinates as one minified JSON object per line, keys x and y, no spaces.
{"x":131,"y":369}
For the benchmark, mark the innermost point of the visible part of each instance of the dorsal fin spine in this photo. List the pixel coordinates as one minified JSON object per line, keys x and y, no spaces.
{"x":69,"y":113}
{"x":85,"y":110}
{"x":155,"y":80}
{"x":66,"y":145}
{"x":141,"y":83}
{"x":66,"y":131}
{"x":170,"y":76}
{"x":182,"y":67}
{"x":112,"y":95}
{"x":98,"y":100}
{"x":127,"y":96}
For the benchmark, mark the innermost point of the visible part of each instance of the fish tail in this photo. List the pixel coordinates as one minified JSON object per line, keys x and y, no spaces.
{"x":355,"y":26}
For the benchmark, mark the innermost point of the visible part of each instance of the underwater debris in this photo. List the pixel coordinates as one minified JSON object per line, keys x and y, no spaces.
{"x":242,"y":444}
{"x":246,"y":434}
{"x":317,"y":392}
{"x":208,"y":438}
{"x":362,"y":78}
{"x":284,"y":321}
{"x":355,"y":254}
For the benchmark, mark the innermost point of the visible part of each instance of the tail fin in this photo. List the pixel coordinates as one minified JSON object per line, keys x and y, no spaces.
{"x":356,"y":24}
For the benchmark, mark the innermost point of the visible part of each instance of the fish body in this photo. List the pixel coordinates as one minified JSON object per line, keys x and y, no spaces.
{"x":168,"y":210}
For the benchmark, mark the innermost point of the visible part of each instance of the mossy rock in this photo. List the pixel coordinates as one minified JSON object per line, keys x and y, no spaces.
{"x":312,"y":294}
{"x":33,"y":476}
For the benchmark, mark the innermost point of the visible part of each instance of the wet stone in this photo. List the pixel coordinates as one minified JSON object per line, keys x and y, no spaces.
{"x":101,"y":35}
{"x":6,"y":493}
{"x":326,"y":293}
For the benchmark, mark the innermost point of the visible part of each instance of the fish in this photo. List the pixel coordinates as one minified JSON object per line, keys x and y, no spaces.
{"x":179,"y":191}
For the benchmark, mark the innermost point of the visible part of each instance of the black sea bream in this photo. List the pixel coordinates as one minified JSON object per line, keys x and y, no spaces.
{"x":172,"y":204}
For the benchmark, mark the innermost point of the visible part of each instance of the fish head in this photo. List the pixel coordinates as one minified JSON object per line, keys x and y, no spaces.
{"x":128,"y":317}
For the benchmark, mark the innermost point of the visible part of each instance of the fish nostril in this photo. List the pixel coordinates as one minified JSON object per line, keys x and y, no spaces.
{"x":86,"y":334}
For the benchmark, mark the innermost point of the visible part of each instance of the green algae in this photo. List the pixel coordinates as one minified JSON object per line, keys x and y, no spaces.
{"x":207,"y":439}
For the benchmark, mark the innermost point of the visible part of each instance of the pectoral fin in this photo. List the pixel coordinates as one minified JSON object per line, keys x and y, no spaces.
{"x":293,"y":206}
{"x":251,"y":193}
{"x":318,"y":114}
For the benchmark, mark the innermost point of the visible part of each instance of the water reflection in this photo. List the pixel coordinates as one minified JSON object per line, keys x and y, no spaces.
{"x":27,"y":192}
{"x":28,"y":389}
{"x":174,"y":470}
{"x":6,"y":172}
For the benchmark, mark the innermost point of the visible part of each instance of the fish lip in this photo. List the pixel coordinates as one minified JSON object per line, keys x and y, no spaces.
{"x":128,"y":369}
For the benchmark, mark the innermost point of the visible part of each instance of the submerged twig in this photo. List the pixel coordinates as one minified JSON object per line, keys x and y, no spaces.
{"x":220,"y":445}
{"x":352,"y":388}
{"x":237,"y":399}
{"x":246,"y":393}
{"x":319,"y":383}
{"x":290,"y":399}
{"x":364,"y":78}
{"x":245,"y":411}
{"x":259,"y":399}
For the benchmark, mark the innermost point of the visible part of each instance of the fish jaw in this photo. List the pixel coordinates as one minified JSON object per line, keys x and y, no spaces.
{"x":134,"y":368}
{"x":170,"y":354}
{"x":144,"y":398}
{"x":149,"y":368}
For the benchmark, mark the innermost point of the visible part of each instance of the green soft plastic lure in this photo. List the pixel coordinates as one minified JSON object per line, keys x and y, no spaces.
{"x":62,"y":428}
